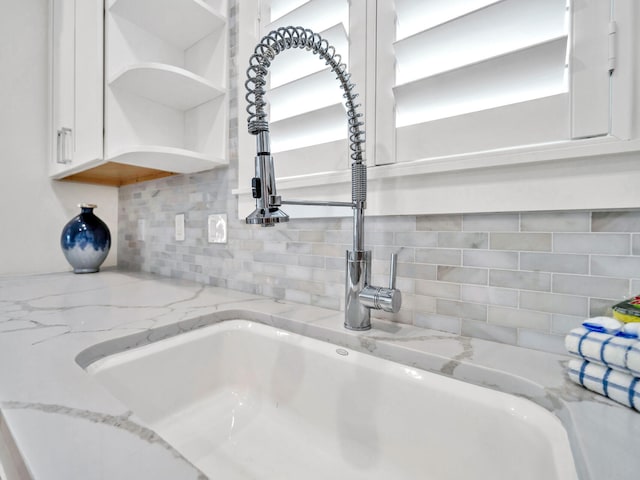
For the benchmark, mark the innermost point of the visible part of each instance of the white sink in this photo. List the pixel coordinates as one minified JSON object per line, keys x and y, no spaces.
{"x":242,"y":400}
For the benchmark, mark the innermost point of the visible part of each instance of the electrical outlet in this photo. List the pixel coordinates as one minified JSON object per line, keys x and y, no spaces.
{"x":180,"y":227}
{"x":218,"y":228}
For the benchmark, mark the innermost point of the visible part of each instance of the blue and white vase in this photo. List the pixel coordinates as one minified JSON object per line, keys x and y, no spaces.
{"x":85,"y":241}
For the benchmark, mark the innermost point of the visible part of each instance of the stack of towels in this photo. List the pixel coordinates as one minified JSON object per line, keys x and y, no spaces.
{"x":609,"y":359}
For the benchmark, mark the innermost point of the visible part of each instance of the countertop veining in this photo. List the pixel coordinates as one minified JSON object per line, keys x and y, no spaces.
{"x":67,"y":426}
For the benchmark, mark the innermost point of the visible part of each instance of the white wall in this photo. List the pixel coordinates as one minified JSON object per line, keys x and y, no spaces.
{"x":34,"y":209}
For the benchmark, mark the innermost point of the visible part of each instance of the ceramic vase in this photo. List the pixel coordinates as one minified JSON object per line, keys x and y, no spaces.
{"x":85,"y":241}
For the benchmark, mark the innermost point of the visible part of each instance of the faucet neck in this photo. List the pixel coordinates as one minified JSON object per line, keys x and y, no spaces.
{"x":283,"y":39}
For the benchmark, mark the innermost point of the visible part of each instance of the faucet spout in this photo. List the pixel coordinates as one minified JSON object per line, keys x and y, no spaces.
{"x":358,"y":303}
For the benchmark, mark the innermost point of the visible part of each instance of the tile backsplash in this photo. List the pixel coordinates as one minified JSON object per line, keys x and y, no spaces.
{"x":517,"y":278}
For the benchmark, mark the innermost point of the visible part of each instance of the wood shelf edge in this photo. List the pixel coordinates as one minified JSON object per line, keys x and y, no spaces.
{"x":115,"y":174}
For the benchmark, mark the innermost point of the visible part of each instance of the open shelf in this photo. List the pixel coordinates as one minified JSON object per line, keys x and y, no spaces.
{"x":161,"y":95}
{"x":195,"y":21}
{"x":170,"y":159}
{"x":166,"y":84}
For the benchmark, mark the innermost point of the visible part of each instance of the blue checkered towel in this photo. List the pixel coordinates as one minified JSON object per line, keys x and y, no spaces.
{"x":612,"y":351}
{"x":618,"y":386}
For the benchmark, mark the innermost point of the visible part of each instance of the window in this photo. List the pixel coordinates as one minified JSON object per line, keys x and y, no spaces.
{"x":468,"y":69}
{"x":451,"y":85}
{"x":307,"y":115}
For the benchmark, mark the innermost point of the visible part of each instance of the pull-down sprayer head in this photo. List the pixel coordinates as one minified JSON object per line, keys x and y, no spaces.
{"x":263,"y":187}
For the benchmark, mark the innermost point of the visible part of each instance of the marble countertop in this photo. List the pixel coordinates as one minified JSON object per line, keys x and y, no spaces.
{"x":66,"y":426}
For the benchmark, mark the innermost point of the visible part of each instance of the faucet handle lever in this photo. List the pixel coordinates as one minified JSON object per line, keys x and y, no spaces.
{"x":393,"y":269}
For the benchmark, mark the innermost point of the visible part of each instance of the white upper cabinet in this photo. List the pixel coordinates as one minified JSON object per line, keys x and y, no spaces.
{"x":164,"y":90}
{"x":76,"y":84}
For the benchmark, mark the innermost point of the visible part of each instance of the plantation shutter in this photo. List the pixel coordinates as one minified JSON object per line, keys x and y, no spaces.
{"x":308,"y":122}
{"x":463,"y":76}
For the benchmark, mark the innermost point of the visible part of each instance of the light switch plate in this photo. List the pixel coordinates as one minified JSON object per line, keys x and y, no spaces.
{"x":179,"y":227}
{"x":141,"y":230}
{"x":218,"y":228}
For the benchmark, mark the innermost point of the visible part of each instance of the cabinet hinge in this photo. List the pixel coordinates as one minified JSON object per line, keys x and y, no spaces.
{"x":613,"y":53}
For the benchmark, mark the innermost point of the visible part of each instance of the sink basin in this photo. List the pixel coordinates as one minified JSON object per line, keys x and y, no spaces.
{"x":242,"y":400}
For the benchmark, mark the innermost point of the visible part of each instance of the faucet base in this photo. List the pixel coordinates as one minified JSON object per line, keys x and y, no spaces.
{"x":357,"y":329}
{"x":357,"y":316}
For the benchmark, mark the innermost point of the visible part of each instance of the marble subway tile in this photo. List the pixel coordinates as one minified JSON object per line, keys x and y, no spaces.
{"x":297,"y":272}
{"x":489,"y":295}
{"x":398,"y":223}
{"x":278,"y":258}
{"x":591,"y":286}
{"x":434,"y":321}
{"x":604,"y":243}
{"x":602,"y":306}
{"x":555,"y":222}
{"x":329,"y":250}
{"x":463,"y":240}
{"x":542,"y":341}
{"x":270,"y":247}
{"x":518,"y":318}
{"x":563,"y":324}
{"x":313,"y":261}
{"x":311,"y":236}
{"x":376,"y":238}
{"x":341,"y":237}
{"x":438,"y":289}
{"x":330,"y":302}
{"x":327,"y":276}
{"x":615,"y":266}
{"x":439,"y":223}
{"x":416,"y":270}
{"x":478,"y":276}
{"x":297,"y":296}
{"x":423,"y":304}
{"x":491,"y":222}
{"x":416,"y":239}
{"x":335,"y":263}
{"x":495,"y":333}
{"x":490,"y":259}
{"x":540,"y":242}
{"x":554,"y":262}
{"x":615,"y":221}
{"x":520,"y":280}
{"x":439,"y":256}
{"x":298,"y":247}
{"x":635,"y":244}
{"x":454,"y":308}
{"x":554,"y":303}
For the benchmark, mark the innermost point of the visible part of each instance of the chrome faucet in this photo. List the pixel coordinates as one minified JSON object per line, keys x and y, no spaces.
{"x":360,"y":295}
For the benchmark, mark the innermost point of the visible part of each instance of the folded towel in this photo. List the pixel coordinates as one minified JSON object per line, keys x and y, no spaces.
{"x":618,"y":386}
{"x":631,"y":330}
{"x":609,"y":350}
{"x":603,"y":324}
{"x":633,"y":359}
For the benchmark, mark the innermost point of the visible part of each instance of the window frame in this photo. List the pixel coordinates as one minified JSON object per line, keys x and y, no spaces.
{"x":586,"y":173}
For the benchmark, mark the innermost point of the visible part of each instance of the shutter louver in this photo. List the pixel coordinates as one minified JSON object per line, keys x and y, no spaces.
{"x":474,"y":69}
{"x":306,"y":109}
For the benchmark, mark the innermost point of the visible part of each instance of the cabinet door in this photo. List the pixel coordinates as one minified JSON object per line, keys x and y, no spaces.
{"x":77,"y":83}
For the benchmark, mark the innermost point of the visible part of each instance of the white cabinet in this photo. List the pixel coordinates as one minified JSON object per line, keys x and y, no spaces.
{"x":163,"y":89}
{"x":76,"y":83}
